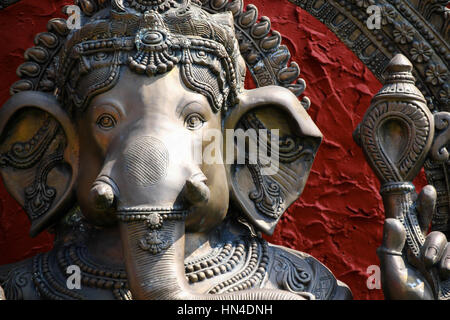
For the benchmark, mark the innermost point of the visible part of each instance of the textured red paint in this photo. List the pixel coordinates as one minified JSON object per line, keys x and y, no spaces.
{"x":339,"y":216}
{"x":19,"y":24}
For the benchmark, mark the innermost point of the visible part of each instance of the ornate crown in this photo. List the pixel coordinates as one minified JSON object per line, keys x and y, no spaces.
{"x":73,"y":64}
{"x":151,"y":37}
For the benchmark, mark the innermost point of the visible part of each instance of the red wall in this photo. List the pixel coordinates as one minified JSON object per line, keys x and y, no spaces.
{"x":339,"y":216}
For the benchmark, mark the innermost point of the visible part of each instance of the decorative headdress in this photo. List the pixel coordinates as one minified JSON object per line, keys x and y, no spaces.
{"x":151,"y":37}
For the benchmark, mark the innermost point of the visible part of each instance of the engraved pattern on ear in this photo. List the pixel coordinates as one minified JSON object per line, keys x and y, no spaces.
{"x":38,"y":156}
{"x":264,"y":198}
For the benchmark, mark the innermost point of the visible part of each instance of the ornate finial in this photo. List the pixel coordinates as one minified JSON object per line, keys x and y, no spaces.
{"x":398,"y":128}
{"x":399,"y":64}
{"x":399,"y":81}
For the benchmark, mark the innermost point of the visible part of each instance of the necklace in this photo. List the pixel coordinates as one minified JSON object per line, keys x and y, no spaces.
{"x":249,"y":255}
{"x":252,"y":274}
{"x":226,"y":260}
{"x":94,"y":275}
{"x":47,"y":286}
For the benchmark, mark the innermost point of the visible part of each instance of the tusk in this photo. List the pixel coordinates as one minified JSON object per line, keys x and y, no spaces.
{"x":196,"y":191}
{"x":102,"y":195}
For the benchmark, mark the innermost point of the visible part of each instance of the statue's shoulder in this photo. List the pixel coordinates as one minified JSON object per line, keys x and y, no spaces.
{"x":300,"y":272}
{"x":16,"y":279}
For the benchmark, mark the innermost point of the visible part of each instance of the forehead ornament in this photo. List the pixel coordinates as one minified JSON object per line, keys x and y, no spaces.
{"x":154,"y":48}
{"x":153,"y":56}
{"x":159,"y":5}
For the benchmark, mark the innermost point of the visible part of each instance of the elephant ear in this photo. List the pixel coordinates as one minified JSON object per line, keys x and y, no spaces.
{"x":261,"y":193}
{"x":38,"y":156}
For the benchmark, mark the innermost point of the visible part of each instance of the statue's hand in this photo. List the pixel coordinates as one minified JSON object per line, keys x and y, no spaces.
{"x":405,"y":276}
{"x":2,"y":294}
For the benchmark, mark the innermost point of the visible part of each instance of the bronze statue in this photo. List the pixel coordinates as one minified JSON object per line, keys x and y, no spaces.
{"x":397,"y":135}
{"x":95,"y":144}
{"x":405,"y":130}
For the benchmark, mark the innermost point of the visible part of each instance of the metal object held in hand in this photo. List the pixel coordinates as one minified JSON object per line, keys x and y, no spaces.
{"x":396,"y":136}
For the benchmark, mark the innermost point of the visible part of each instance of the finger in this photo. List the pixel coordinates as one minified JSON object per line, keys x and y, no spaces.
{"x":426,"y":204}
{"x":399,"y":280}
{"x":444,"y":266}
{"x":433,"y":248}
{"x":394,"y":237}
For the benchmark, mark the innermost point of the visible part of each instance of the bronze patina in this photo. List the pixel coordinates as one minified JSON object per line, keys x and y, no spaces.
{"x":397,"y":135}
{"x":94,"y":144}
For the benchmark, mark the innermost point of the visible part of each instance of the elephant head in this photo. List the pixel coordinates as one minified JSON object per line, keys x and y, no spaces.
{"x":137,"y":89}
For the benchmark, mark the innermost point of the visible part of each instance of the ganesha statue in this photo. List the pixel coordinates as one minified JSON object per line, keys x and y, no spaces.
{"x":98,"y":150}
{"x":96,"y":144}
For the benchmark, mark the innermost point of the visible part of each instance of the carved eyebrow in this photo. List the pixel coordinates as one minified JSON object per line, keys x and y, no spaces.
{"x":204,"y":105}
{"x":113,"y":103}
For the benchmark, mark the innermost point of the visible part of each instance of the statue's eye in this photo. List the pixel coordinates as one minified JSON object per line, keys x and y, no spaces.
{"x":106,"y":121}
{"x":194,"y":121}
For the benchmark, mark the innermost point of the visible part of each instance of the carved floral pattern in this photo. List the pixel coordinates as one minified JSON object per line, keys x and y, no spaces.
{"x":403,"y":33}
{"x":388,"y":14}
{"x":404,"y":23}
{"x":436,"y":74}
{"x":420,"y":52}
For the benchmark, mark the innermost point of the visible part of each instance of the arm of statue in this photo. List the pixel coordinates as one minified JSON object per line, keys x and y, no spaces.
{"x":404,"y":274}
{"x":397,"y":136}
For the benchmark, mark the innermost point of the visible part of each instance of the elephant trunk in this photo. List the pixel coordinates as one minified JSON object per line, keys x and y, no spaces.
{"x":156,"y":182}
{"x":159,"y":274}
{"x":153,"y":274}
{"x":153,"y":240}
